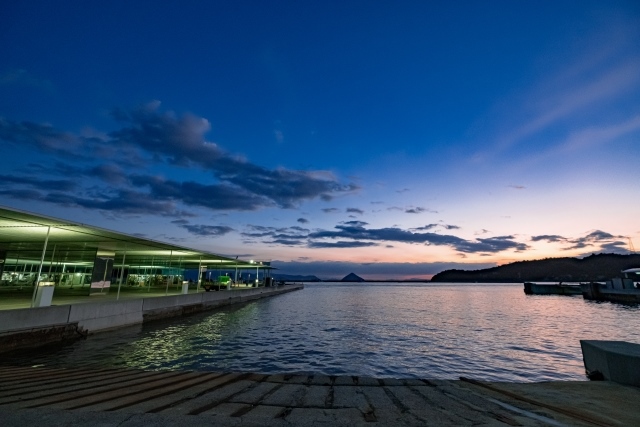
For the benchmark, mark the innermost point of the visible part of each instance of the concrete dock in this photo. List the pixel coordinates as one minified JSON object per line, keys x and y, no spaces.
{"x":124,"y":397}
{"x":30,"y":327}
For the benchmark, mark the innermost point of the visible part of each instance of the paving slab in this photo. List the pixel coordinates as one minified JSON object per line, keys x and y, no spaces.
{"x":211,"y":399}
{"x":316,"y":396}
{"x":287,"y":395}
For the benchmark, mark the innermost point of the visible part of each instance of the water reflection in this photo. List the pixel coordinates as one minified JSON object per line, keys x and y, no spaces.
{"x":490,"y":332}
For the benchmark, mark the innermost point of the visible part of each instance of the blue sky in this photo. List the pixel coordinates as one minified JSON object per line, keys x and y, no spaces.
{"x":392,"y":139}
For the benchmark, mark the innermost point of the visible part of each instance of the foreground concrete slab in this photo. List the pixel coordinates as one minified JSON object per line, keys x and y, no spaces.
{"x":167,"y":398}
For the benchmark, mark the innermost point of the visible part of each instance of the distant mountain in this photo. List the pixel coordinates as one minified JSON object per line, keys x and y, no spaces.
{"x":351,"y":277}
{"x":295,"y":278}
{"x":592,"y":268}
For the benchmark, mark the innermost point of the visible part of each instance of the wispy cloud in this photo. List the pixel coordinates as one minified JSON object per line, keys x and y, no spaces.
{"x":586,"y":101}
{"x":593,"y":136}
{"x":565,"y":101}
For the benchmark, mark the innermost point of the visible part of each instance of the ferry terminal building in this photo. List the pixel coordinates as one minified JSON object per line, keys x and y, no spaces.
{"x":42,"y":253}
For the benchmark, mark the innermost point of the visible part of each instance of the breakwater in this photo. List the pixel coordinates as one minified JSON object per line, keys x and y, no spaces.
{"x":34,"y":326}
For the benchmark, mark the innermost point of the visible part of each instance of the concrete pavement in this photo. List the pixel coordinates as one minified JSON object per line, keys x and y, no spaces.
{"x":125,"y":397}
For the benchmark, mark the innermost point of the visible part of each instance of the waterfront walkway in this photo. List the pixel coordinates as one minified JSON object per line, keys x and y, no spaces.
{"x":125,"y":397}
{"x":10,"y":300}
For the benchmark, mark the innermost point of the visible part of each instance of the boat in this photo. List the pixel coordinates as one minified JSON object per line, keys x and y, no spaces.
{"x":551,"y":289}
{"x":625,"y":289}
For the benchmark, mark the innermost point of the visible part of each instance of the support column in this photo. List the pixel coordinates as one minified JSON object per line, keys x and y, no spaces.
{"x":166,"y":291}
{"x":37,"y":281}
{"x":199,"y":274}
{"x":124,"y":257}
{"x":153,"y":258}
{"x":235,"y":279}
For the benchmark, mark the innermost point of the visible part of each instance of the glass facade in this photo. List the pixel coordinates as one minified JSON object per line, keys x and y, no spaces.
{"x":80,"y":260}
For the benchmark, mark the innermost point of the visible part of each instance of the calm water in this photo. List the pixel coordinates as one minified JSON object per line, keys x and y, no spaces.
{"x":489,"y":332}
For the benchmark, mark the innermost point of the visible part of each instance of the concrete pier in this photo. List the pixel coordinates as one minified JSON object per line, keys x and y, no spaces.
{"x":122,"y":397}
{"x":28,"y":327}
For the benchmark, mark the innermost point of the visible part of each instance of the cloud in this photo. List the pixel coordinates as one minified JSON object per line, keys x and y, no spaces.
{"x":355,"y":210}
{"x":603,"y":241}
{"x":618,"y":247}
{"x":207,"y":230}
{"x":285,"y":242}
{"x":330,"y":210}
{"x":450,"y":227}
{"x":426,"y":227}
{"x":417,"y":210}
{"x":42,"y":184}
{"x":353,"y":234}
{"x":355,"y":223}
{"x":277,"y":235}
{"x":213,"y":196}
{"x":180,"y":141}
{"x":124,"y":201}
{"x":341,"y":244}
{"x":303,"y":220}
{"x":517,"y":187}
{"x":596,"y":237}
{"x":150,"y":138}
{"x":357,"y":232}
{"x":551,"y":238}
{"x":41,"y":136}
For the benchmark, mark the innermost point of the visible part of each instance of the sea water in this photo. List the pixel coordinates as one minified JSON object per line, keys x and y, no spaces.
{"x":483,"y":331}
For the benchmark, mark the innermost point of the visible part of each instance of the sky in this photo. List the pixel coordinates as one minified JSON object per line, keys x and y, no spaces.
{"x":389,"y":139}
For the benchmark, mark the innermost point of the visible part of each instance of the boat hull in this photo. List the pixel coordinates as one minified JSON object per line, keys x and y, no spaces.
{"x":601,"y":292}
{"x":551,"y":289}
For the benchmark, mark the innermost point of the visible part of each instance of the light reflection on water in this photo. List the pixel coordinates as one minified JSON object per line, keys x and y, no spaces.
{"x":489,"y":332}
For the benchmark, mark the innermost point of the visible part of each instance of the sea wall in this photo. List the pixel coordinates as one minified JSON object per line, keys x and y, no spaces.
{"x":30,"y":327}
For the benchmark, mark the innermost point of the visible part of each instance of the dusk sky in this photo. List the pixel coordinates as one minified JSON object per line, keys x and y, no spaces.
{"x":386,"y":138}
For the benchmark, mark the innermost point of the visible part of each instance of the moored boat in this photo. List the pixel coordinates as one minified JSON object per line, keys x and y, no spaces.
{"x":551,"y":289}
{"x":624,"y":289}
